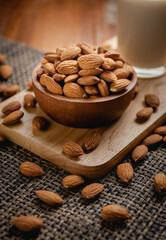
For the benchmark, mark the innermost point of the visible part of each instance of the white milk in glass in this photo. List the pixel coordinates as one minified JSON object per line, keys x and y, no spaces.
{"x":142,"y":35}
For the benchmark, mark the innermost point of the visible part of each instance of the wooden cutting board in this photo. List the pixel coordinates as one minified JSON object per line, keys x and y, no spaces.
{"x":118,"y":139}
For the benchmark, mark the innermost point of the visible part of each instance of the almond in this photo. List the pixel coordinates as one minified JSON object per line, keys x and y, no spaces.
{"x":139,"y":152}
{"x":72,"y":181}
{"x":70,"y":53}
{"x":119,"y":85}
{"x":11,"y":107}
{"x":112,"y":54}
{"x":92,"y":90}
{"x":40,"y":71}
{"x":43,"y":61}
{"x":27,"y":223}
{"x":92,"y":140}
{"x":121,"y":73}
{"x":29,"y":84}
{"x":2,"y":58}
{"x":53,"y":86}
{"x":129,"y":69}
{"x":114,"y":213}
{"x":51,"y":57}
{"x":161,"y":130}
{"x":152,"y":139}
{"x":103,"y":89}
{"x":29,"y":100}
{"x":5,"y":71}
{"x":90,"y":72}
{"x":86,"y":48}
{"x":92,"y":190}
{"x":160,"y":183}
{"x":119,"y":64}
{"x":88,"y":80}
{"x":59,"y":51}
{"x":71,"y":78}
{"x":68,"y":67}
{"x":89,"y":61}
{"x":13,"y":117}
{"x":108,"y":76}
{"x":31,"y":169}
{"x":11,"y":90}
{"x":73,"y":90}
{"x":40,"y":123}
{"x":56,"y":63}
{"x":43,"y":79}
{"x":72,"y":149}
{"x":49,"y":197}
{"x":59,"y":77}
{"x":144,"y":114}
{"x":2,"y":88}
{"x":2,"y":139}
{"x":49,"y":68}
{"x":152,"y":100}
{"x":125,"y":172}
{"x":108,"y":64}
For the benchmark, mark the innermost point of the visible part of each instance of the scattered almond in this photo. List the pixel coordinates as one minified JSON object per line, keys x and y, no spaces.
{"x":119,"y":85}
{"x":31,"y":169}
{"x":160,"y":183}
{"x":11,"y":90}
{"x":152,"y":100}
{"x":88,"y":80}
{"x":27,"y":223}
{"x":139,"y":152}
{"x":89,"y":61}
{"x":92,"y":190}
{"x":49,"y":197}
{"x":161,"y":130}
{"x":40,"y":123}
{"x":13,"y":117}
{"x":11,"y":107}
{"x":72,"y":149}
{"x":72,"y":181}
{"x":114,"y":213}
{"x":144,"y":114}
{"x":92,"y":140}
{"x":125,"y":172}
{"x":29,"y":100}
{"x":5,"y":71}
{"x":103,"y":88}
{"x":2,"y":58}
{"x":73,"y":90}
{"x":152,"y":139}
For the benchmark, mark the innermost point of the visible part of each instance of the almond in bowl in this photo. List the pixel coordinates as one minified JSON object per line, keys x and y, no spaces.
{"x":81,"y":87}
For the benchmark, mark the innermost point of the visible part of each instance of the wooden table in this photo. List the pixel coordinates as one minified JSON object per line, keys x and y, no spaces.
{"x":46,"y":24}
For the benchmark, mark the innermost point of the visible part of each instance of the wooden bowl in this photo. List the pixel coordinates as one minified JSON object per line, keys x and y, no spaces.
{"x":83,"y":112}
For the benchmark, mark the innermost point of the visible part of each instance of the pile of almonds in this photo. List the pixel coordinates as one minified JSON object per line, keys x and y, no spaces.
{"x":82,"y":71}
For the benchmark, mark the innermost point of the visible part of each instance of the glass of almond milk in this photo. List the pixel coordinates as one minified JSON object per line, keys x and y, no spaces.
{"x":142,"y":35}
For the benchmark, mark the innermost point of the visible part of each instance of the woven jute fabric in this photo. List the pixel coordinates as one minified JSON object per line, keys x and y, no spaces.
{"x":75,"y":218}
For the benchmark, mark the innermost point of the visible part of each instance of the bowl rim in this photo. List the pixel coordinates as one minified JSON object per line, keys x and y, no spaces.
{"x":95,"y":100}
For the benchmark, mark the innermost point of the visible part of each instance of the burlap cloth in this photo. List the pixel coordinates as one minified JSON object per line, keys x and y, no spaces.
{"x":76,"y":218}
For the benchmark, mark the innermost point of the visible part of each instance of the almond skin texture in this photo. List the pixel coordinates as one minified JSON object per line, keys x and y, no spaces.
{"x":139,"y":152}
{"x":88,"y":80}
{"x":53,"y":86}
{"x":70,"y":53}
{"x":161,"y":130}
{"x":92,"y":140}
{"x":90,"y":61}
{"x":30,"y":169}
{"x":86,"y":48}
{"x":160,"y":183}
{"x":121,"y":73}
{"x":119,"y":85}
{"x":152,"y":100}
{"x":114,"y":213}
{"x":27,"y":223}
{"x":72,"y":181}
{"x":5,"y":71}
{"x":125,"y":172}
{"x":108,"y":64}
{"x":144,"y":114}
{"x":68,"y":67}
{"x":29,"y":100}
{"x":72,"y":149}
{"x":112,"y":54}
{"x":152,"y":139}
{"x":13,"y":117}
{"x":103,"y":89}
{"x":71,"y":78}
{"x":59,"y":51}
{"x":108,"y":76}
{"x":58,"y":77}
{"x":92,"y":90}
{"x":40,"y":123}
{"x":11,"y":107}
{"x":90,"y":72}
{"x":11,"y":90}
{"x":49,"y":197}
{"x":73,"y":90}
{"x":92,"y":190}
{"x":43,"y":79}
